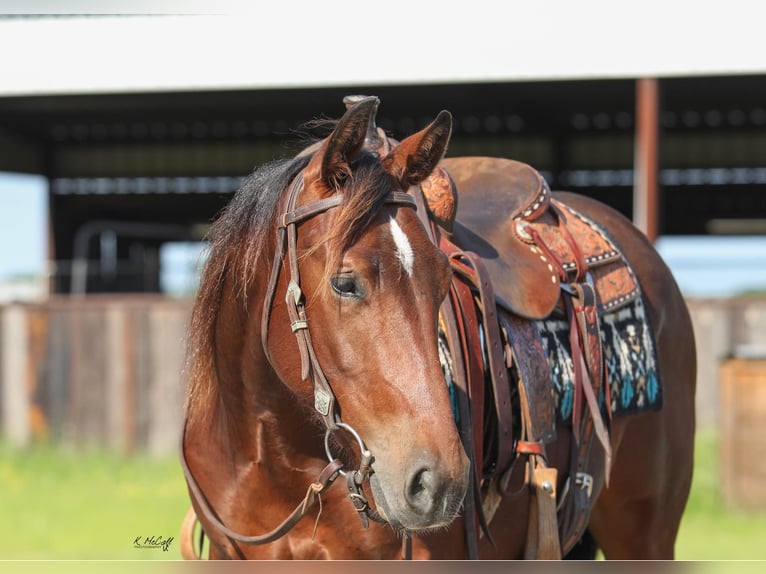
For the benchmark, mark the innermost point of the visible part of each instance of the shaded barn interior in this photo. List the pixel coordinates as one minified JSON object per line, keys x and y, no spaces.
{"x":129,"y":173}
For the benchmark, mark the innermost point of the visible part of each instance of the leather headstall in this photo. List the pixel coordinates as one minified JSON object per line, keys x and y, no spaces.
{"x":287,"y":247}
{"x":324,"y":398}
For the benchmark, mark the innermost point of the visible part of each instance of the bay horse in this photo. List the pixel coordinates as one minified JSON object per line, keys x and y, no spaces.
{"x":315,"y":360}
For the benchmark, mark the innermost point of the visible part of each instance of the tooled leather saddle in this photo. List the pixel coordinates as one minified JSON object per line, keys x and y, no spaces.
{"x":520,"y":256}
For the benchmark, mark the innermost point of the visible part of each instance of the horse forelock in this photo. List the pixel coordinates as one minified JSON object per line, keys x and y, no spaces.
{"x":364,"y":192}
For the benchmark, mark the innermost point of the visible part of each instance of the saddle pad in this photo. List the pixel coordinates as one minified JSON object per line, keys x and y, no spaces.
{"x":445,"y":359}
{"x":630,"y":355}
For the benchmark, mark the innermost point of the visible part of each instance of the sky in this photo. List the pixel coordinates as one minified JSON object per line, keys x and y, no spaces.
{"x":703,"y":266}
{"x":23,"y":205}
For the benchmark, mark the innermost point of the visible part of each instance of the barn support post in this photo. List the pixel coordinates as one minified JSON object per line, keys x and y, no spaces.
{"x":646,"y":158}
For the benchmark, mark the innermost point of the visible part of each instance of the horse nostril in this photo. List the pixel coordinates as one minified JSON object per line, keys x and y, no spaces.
{"x":421,"y":489}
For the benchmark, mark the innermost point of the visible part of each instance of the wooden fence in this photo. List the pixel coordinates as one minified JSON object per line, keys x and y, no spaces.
{"x":100,"y":371}
{"x":724,"y":328}
{"x":743,"y":433}
{"x":108,"y":371}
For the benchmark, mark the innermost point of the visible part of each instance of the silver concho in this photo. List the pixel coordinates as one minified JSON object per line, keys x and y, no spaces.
{"x":522,"y":232}
{"x":322,"y":402}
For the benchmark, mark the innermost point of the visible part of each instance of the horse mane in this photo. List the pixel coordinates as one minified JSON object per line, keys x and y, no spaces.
{"x":236,"y":242}
{"x":237,"y":248}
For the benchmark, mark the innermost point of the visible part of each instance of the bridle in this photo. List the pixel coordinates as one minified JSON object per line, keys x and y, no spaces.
{"x":324,"y":398}
{"x":287,"y":247}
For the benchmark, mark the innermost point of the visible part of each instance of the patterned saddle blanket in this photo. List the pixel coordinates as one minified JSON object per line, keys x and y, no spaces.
{"x":630,"y":359}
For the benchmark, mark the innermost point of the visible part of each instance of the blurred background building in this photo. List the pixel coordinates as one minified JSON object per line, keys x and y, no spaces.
{"x":140,"y":127}
{"x":122,"y":138}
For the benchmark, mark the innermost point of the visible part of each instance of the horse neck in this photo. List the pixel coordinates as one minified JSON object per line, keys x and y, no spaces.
{"x":249,"y":411}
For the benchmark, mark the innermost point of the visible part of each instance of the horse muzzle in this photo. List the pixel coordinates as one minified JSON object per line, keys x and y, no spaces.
{"x":426,"y":494}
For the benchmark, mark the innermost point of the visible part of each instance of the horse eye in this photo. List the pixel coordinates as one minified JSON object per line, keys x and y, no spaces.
{"x":346,"y":286}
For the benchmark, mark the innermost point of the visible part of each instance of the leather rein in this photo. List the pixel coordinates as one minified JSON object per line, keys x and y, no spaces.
{"x":324,"y":398}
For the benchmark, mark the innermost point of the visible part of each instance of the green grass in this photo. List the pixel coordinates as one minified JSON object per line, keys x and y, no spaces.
{"x":63,"y":505}
{"x":709,"y":529}
{"x":57,"y":504}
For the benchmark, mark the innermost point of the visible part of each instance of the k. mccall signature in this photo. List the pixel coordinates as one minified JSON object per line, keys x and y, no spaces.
{"x":153,"y":542}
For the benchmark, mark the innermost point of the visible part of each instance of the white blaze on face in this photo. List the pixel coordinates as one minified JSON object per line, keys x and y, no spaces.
{"x":403,"y":247}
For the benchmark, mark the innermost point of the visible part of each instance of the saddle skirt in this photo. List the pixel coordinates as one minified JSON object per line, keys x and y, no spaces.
{"x":611,"y":275}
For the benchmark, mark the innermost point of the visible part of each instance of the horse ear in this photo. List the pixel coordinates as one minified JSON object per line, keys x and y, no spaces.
{"x":416,"y":156}
{"x":345,"y":142}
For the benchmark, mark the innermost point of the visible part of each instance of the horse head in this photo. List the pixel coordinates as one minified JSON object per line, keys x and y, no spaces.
{"x":363,"y":285}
